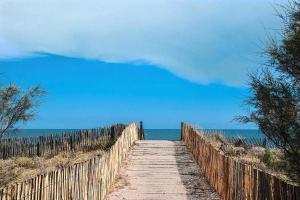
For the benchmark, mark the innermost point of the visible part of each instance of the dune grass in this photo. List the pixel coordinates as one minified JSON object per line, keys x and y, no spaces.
{"x":22,"y":168}
{"x":271,"y":160}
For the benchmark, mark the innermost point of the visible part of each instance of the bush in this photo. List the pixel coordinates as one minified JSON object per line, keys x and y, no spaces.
{"x":268,"y":158}
{"x":25,"y":162}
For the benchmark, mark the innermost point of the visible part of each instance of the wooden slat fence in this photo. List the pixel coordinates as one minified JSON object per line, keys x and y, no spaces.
{"x":89,"y":180}
{"x":84,"y":140}
{"x":234,"y":180}
{"x":251,"y":141}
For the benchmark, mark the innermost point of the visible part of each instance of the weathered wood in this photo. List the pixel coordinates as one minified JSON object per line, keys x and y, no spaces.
{"x":251,"y":141}
{"x":84,"y":140}
{"x":233,"y":179}
{"x":141,"y":131}
{"x":77,"y":182}
{"x":161,"y":170}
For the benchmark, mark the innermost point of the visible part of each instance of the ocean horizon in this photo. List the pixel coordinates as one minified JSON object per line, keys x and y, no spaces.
{"x":150,"y":134}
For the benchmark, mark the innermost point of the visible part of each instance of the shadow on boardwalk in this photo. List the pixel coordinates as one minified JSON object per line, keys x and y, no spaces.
{"x":195,"y":183}
{"x":161,"y":170}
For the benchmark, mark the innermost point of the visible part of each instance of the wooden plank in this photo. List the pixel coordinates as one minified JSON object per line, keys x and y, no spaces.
{"x":161,"y":170}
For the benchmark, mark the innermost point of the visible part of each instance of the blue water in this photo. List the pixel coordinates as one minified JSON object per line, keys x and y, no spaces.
{"x":174,"y":134}
{"x":162,"y":134}
{"x":150,"y":134}
{"x":38,"y":132}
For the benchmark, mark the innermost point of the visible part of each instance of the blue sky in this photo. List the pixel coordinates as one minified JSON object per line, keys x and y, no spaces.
{"x":84,"y":93}
{"x":162,"y":62}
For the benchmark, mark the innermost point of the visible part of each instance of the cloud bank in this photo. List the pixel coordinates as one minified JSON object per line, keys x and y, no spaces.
{"x":202,"y":41}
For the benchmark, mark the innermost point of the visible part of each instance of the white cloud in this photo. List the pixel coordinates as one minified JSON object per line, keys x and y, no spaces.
{"x":203,"y":41}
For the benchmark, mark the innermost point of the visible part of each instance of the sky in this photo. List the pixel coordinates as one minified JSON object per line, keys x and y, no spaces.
{"x":159,"y":61}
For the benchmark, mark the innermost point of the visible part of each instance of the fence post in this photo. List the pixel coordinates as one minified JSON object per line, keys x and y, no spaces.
{"x":113,"y":133}
{"x":116,"y":131}
{"x":181,"y":132}
{"x":141,"y":131}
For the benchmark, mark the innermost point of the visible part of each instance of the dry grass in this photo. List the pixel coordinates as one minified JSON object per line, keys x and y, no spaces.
{"x":269,"y":160}
{"x":22,"y":168}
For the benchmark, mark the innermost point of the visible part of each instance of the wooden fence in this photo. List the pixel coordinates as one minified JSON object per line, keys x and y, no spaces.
{"x":84,"y":140}
{"x":89,"y":180}
{"x":251,"y":141}
{"x":233,"y":179}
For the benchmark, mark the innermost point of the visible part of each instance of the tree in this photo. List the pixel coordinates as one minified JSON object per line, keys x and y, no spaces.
{"x":275,"y":99}
{"x":17,"y":106}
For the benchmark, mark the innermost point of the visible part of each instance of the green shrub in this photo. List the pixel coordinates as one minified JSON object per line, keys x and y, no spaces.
{"x":268,"y":157}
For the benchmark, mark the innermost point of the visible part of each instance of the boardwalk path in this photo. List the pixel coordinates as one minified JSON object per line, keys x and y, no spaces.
{"x":161,"y":170}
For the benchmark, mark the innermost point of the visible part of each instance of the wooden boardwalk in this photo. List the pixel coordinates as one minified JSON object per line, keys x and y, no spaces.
{"x":161,"y":170}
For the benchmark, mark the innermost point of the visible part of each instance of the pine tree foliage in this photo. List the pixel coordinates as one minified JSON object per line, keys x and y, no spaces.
{"x":17,"y":106}
{"x":275,"y":99}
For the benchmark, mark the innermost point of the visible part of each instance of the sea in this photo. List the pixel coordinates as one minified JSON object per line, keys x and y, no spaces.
{"x":150,"y":134}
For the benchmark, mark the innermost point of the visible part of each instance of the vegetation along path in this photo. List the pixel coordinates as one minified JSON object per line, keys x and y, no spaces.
{"x":161,"y":170}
